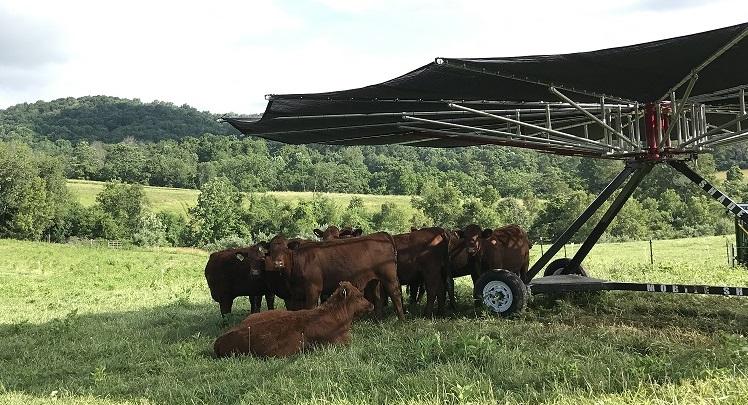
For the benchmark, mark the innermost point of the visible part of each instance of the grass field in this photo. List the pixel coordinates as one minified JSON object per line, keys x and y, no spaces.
{"x":180,"y":199}
{"x":93,"y":325}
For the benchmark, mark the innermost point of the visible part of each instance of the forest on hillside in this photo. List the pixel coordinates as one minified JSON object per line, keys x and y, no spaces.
{"x":160,"y":144}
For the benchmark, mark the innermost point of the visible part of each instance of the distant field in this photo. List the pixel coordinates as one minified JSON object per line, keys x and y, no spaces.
{"x":180,"y":199}
{"x":87,"y":325}
{"x":723,"y":175}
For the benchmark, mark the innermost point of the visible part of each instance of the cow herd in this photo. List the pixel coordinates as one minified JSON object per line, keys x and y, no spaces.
{"x":350,"y":274}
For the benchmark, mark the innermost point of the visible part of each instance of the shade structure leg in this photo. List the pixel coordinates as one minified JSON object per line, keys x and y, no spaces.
{"x":581,"y":220}
{"x":643,"y":169}
{"x":723,"y":199}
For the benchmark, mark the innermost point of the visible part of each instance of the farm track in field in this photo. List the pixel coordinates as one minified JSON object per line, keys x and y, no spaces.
{"x":101,"y":326}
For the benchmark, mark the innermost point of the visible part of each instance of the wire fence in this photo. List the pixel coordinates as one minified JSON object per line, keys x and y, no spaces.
{"x":733,"y":253}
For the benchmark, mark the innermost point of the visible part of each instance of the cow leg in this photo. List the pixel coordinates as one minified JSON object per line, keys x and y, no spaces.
{"x":476,"y":302}
{"x":372,"y":292}
{"x":255,"y":303}
{"x":226,"y":305}
{"x":434,"y":293}
{"x":312,"y":297}
{"x":270,"y":299}
{"x":451,"y":292}
{"x":393,"y":290}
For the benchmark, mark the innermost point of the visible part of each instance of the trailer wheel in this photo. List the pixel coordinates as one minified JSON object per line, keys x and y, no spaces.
{"x":558,"y":265}
{"x":501,"y":292}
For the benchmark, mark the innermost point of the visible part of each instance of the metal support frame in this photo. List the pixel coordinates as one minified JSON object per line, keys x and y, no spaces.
{"x":582,"y":219}
{"x":636,"y":170}
{"x":609,"y":215}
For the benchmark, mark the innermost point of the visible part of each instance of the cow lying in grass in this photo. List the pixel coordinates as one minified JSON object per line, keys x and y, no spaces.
{"x":285,"y":333}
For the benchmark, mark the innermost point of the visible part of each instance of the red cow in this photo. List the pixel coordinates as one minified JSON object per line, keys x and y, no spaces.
{"x":238,"y":272}
{"x":304,"y":271}
{"x":422,"y":256}
{"x":507,"y":248}
{"x":285,"y":333}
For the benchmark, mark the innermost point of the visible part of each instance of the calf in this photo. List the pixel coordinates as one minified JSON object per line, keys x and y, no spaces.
{"x":507,"y":248}
{"x":235,"y":273}
{"x":285,"y":333}
{"x":305,"y":271}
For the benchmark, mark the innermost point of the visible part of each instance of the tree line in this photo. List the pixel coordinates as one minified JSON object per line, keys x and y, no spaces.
{"x":128,"y":142}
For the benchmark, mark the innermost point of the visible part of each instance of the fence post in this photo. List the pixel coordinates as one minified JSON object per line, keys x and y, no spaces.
{"x":651,"y":253}
{"x":565,"y":251}
{"x":727,"y":250}
{"x":541,"y":246}
{"x":733,"y":255}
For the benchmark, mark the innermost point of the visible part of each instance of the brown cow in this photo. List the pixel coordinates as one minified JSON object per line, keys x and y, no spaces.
{"x":311,"y":269}
{"x":507,"y":248}
{"x":423,"y":256}
{"x":285,"y":333}
{"x":333,"y":232}
{"x":238,"y":272}
{"x":464,"y":260}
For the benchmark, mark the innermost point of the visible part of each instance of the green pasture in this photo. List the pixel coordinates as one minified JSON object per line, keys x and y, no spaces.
{"x":180,"y":199}
{"x":94,"y":325}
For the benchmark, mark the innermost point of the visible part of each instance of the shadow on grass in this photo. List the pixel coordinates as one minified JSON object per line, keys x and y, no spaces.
{"x":164,"y":354}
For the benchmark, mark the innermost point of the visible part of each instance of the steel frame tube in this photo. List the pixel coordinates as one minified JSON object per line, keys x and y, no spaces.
{"x":713,"y":192}
{"x":589,"y":114}
{"x":508,"y":135}
{"x":708,"y":60}
{"x":535,"y":127}
{"x":608,"y":217}
{"x":676,"y":108}
{"x":582,"y":219}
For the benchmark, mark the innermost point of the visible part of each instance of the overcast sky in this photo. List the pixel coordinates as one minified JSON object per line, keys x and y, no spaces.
{"x":224,"y":56}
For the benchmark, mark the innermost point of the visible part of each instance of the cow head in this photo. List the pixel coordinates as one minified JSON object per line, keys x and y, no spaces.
{"x":332,"y":232}
{"x":353,"y":299}
{"x":279,"y":255}
{"x":472,"y":235}
{"x":254,"y":257}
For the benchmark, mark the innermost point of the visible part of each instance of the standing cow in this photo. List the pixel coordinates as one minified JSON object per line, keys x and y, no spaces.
{"x":238,"y":272}
{"x":464,"y":259}
{"x":284,"y":333}
{"x":506,"y":248}
{"x":423,"y":257}
{"x":308,"y":270}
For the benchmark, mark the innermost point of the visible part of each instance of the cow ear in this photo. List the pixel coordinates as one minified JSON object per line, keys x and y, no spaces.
{"x":262,"y":247}
{"x":357,"y":232}
{"x":318,"y":232}
{"x":240,"y":257}
{"x":486,"y":233}
{"x":293,"y":244}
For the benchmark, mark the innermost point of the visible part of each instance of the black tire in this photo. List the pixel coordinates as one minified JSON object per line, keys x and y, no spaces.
{"x":501,"y":292}
{"x":558,"y":265}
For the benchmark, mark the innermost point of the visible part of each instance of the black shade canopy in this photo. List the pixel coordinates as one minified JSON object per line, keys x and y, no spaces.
{"x":626,"y":75}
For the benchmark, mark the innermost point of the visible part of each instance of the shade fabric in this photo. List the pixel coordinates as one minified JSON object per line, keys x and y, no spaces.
{"x":374,"y":114}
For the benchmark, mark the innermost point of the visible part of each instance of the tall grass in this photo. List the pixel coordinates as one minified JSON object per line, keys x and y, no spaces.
{"x":93,"y":325}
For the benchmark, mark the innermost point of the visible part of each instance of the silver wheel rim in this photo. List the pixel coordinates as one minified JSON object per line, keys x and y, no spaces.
{"x":497,"y":296}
